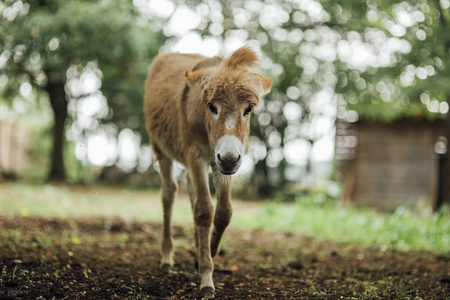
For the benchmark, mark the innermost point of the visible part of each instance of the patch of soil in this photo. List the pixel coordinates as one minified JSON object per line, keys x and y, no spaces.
{"x":50,"y":258}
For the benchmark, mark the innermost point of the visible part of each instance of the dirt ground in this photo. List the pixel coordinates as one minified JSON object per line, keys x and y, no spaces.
{"x":49,"y":258}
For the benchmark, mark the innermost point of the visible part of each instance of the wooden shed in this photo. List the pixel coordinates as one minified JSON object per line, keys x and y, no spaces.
{"x":386,"y":165}
{"x":14,"y":143}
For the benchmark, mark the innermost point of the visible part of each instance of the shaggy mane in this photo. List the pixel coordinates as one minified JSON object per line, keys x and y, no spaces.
{"x":244,"y":56}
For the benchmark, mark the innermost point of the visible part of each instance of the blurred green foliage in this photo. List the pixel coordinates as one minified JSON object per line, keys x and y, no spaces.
{"x":41,"y":40}
{"x":45,"y":38}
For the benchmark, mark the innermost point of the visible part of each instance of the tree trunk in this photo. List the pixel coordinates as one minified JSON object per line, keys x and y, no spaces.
{"x":264,"y":188}
{"x":444,"y":180}
{"x":58,"y":101}
{"x":444,"y":188}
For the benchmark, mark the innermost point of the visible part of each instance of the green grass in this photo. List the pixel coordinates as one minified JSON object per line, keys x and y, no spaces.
{"x":80,"y":201}
{"x":312,"y":215}
{"x":328,"y":220}
{"x":106,"y":201}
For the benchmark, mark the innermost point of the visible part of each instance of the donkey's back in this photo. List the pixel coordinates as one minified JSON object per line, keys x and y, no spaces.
{"x":168,"y":70}
{"x":163,"y":89}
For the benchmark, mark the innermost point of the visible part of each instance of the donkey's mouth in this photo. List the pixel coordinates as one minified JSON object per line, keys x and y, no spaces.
{"x":229,"y":170}
{"x":227,"y":173}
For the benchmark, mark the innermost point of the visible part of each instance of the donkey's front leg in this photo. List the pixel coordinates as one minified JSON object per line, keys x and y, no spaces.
{"x":223,"y":209}
{"x":203,"y":216}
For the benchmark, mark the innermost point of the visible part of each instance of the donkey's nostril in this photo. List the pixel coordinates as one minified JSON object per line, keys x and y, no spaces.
{"x":228,"y":158}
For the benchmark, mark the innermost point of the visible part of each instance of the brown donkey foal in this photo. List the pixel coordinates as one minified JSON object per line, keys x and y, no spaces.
{"x":197,"y":112}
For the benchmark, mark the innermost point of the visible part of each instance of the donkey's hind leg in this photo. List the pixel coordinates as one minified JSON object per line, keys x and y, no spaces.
{"x":191,"y":193}
{"x":169,"y":188}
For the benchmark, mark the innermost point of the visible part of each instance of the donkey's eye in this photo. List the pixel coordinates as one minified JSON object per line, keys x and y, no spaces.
{"x":212,"y":108}
{"x":248,"y":110}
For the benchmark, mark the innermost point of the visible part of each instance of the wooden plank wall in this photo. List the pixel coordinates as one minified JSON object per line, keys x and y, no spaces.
{"x":14,"y":143}
{"x":395,"y":164}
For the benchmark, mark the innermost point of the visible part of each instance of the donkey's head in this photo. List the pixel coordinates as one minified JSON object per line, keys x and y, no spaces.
{"x":229,"y":92}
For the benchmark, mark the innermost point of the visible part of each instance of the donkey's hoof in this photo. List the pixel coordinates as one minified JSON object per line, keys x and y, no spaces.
{"x":207,"y":292}
{"x":165,"y":268}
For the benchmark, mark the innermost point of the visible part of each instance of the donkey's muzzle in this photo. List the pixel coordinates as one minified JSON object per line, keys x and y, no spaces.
{"x":228,"y":155}
{"x":229,"y":164}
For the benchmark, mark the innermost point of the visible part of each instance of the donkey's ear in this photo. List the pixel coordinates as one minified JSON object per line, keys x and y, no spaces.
{"x":266,"y":84}
{"x":197,"y":78}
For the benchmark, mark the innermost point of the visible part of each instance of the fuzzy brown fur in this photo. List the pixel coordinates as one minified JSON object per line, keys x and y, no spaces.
{"x":189,"y":99}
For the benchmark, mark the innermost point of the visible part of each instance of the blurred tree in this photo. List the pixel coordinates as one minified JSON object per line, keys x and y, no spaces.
{"x":40,"y":40}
